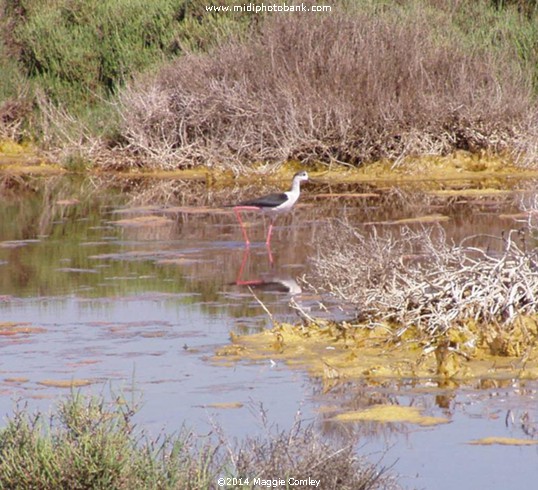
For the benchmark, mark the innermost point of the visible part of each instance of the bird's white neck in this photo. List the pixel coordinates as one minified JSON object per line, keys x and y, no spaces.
{"x":293,"y":193}
{"x":295,"y":186}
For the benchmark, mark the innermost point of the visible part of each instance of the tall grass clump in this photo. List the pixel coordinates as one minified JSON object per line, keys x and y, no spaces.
{"x":355,"y":85}
{"x":89,"y":443}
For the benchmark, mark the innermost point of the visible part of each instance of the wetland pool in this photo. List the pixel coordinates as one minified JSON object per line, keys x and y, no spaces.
{"x":130,"y":285}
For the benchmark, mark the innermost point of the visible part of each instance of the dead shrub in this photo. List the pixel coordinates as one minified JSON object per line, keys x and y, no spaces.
{"x":418,"y":278}
{"x":347,"y":86}
{"x":301,"y":453}
{"x":13,"y":113}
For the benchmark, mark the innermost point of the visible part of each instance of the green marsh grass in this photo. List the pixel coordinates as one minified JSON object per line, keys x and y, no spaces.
{"x":76,"y":55}
{"x":87,"y":443}
{"x":78,"y":52}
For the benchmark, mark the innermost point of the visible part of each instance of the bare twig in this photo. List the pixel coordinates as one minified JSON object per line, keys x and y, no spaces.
{"x":420,"y":278}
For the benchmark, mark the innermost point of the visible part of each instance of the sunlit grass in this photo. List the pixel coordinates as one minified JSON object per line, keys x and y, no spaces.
{"x":90,"y":443}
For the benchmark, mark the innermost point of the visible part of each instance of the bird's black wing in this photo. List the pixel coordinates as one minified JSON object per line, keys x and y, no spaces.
{"x":269,"y":201}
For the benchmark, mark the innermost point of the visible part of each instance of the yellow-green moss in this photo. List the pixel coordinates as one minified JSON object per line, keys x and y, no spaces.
{"x":339,"y":351}
{"x":391,"y":413}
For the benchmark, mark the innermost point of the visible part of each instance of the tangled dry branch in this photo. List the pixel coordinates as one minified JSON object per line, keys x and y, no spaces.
{"x":374,"y":88}
{"x":419,"y":278}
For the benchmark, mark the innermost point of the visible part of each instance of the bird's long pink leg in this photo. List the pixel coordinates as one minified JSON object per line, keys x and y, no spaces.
{"x":238,"y":214}
{"x":237,"y":210}
{"x":269,"y":253}
{"x":268,"y":240}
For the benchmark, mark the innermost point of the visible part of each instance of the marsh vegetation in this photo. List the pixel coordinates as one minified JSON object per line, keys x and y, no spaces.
{"x":91,"y":443}
{"x":171,"y":86}
{"x":177,"y":86}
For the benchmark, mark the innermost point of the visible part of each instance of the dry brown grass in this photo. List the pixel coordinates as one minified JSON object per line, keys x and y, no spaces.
{"x":301,"y":453}
{"x":349,"y":87}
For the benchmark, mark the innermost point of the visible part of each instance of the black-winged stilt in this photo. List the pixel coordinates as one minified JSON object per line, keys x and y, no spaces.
{"x":272,"y":204}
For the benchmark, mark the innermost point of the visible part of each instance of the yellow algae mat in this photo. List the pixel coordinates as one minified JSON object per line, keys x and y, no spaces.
{"x":391,"y":413}
{"x":65,"y":383}
{"x":339,"y":351}
{"x":503,"y":441}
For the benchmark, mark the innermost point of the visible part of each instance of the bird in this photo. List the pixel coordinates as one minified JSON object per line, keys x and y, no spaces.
{"x":272,"y":204}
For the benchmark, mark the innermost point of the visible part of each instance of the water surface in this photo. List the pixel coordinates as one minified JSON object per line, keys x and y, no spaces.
{"x":130,"y":286}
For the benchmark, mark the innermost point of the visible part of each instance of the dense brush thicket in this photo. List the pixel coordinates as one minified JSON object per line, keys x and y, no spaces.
{"x":174,"y":84}
{"x":338,"y":87}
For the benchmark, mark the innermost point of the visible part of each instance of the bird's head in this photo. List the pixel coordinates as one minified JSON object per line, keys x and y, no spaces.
{"x":301,"y":176}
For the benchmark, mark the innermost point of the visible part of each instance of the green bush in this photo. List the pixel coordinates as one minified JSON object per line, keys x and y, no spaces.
{"x":512,"y":26}
{"x":80,"y":51}
{"x":90,"y":444}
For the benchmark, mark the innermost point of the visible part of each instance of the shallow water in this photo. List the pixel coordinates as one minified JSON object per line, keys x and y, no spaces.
{"x":130,"y":286}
